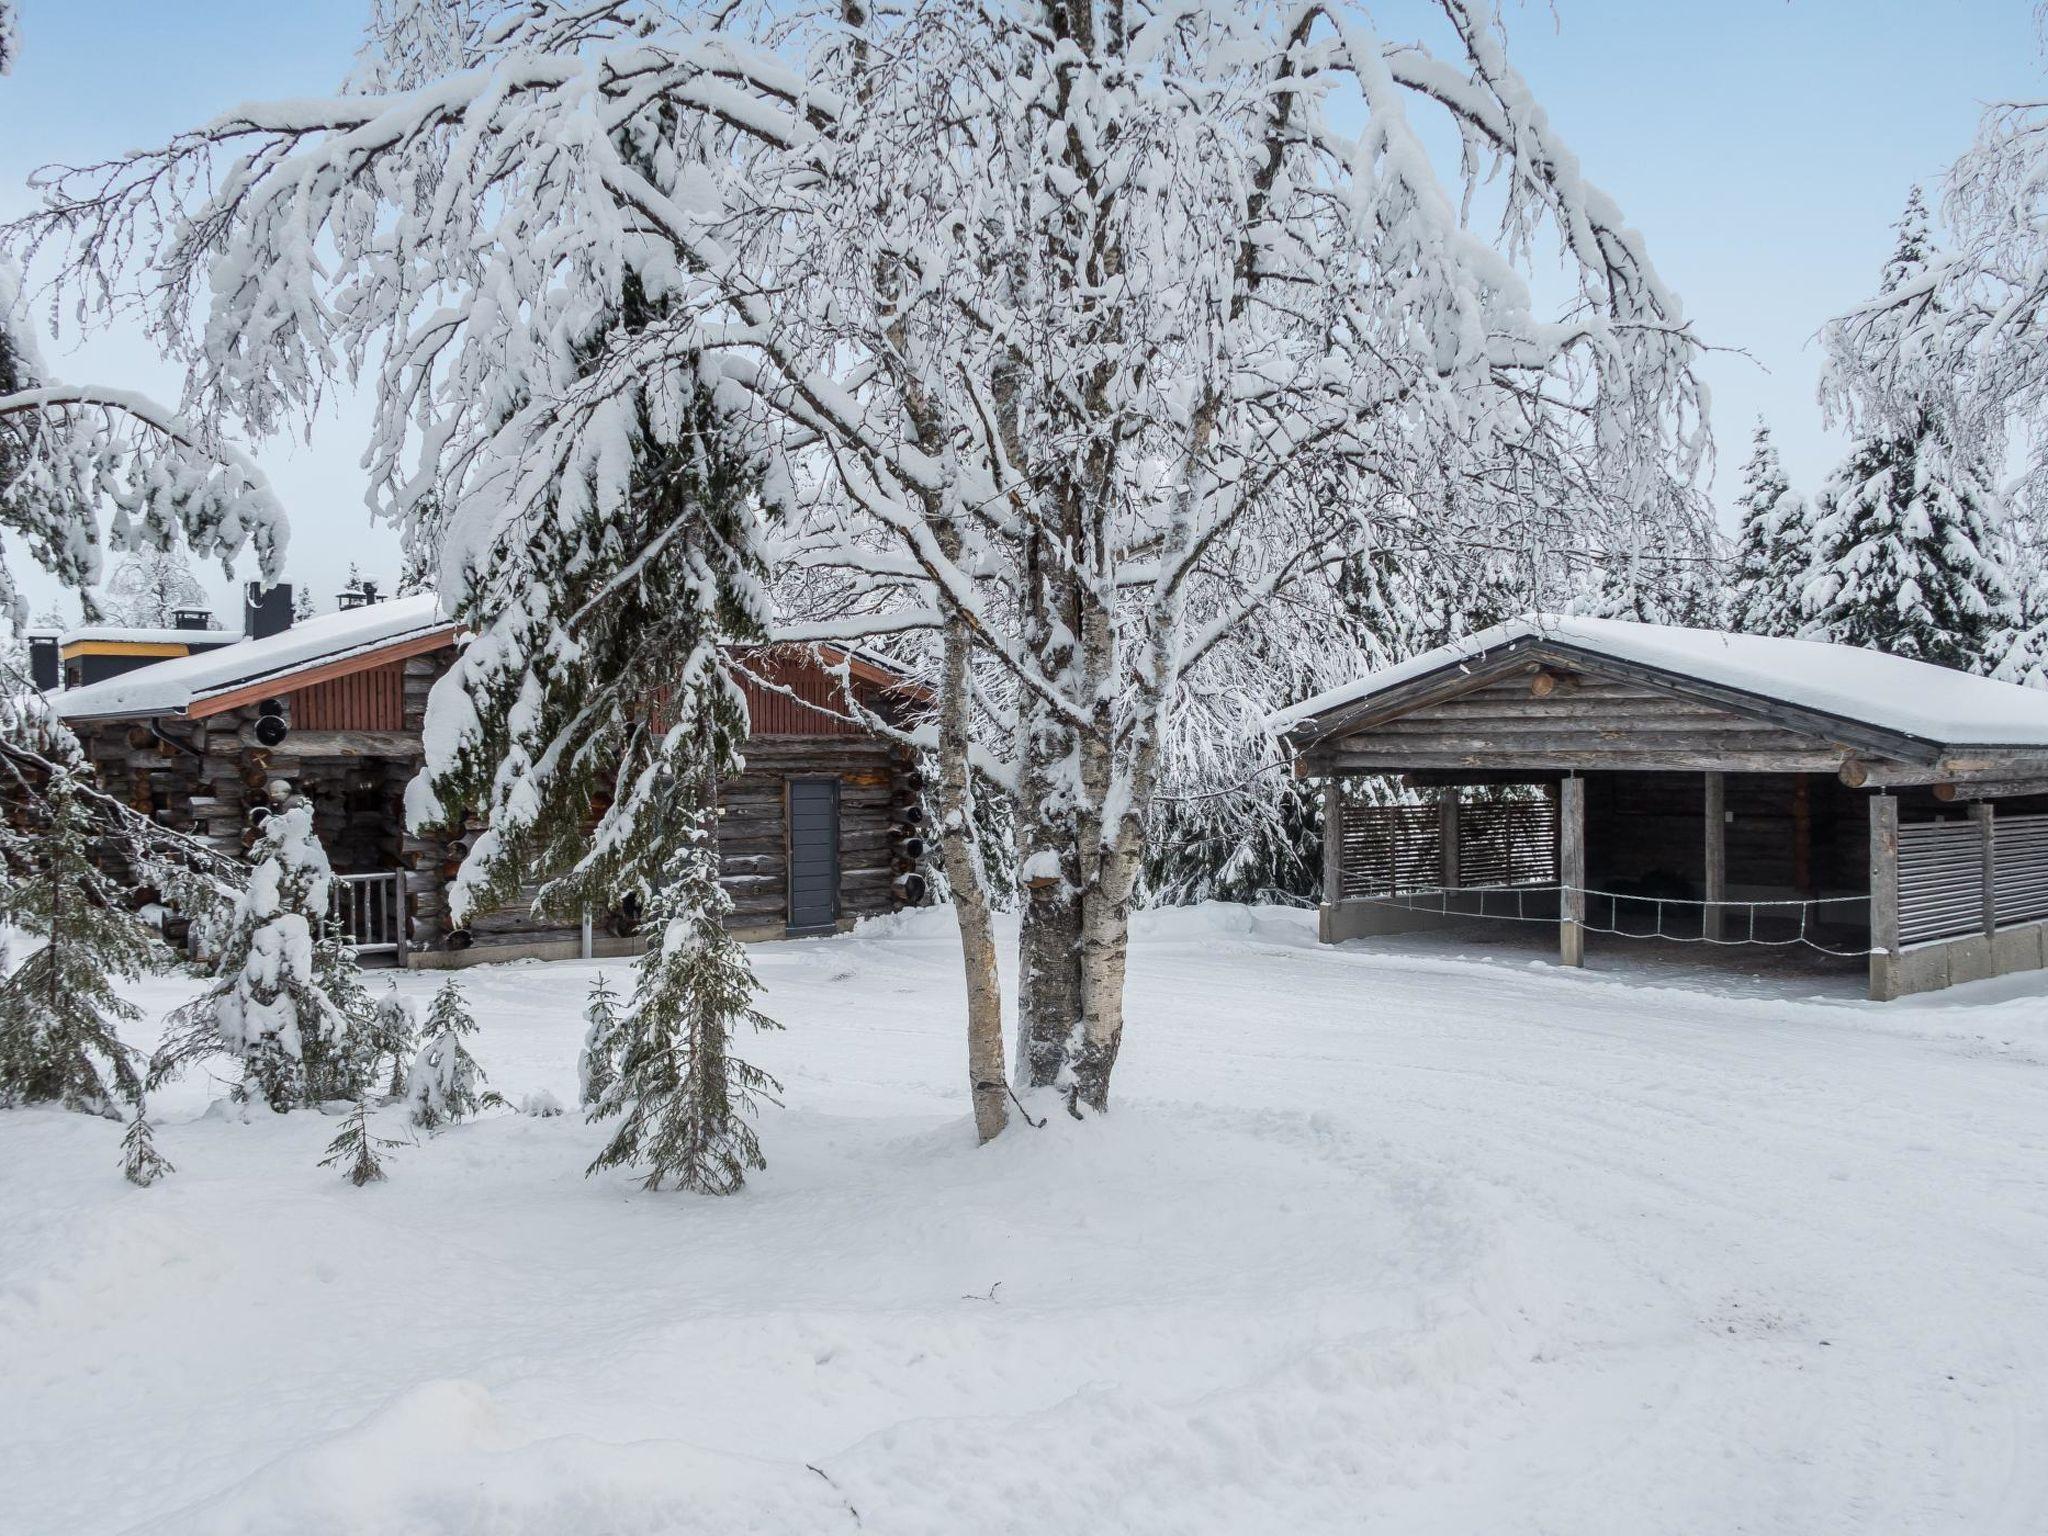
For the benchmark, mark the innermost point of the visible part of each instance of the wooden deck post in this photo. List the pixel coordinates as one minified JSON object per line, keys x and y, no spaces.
{"x":1571,"y":871}
{"x":1447,"y":809}
{"x":1715,"y":810}
{"x":1333,"y":859}
{"x":1884,"y":894}
{"x":1987,"y":833}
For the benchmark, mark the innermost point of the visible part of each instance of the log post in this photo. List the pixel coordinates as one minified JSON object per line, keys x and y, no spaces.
{"x":1715,"y":881}
{"x":1447,"y":809}
{"x":1987,"y":834}
{"x":1333,"y":856}
{"x":1884,"y":893}
{"x":1571,"y":872}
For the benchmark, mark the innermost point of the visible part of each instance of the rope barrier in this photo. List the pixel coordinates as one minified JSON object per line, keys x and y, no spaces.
{"x":1807,"y":909}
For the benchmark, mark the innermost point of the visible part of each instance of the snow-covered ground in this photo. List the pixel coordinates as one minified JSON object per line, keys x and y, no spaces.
{"x":1377,"y":1239}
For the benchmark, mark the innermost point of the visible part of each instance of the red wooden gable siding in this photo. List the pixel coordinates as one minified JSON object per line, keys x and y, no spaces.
{"x":812,"y":704}
{"x":370,"y":700}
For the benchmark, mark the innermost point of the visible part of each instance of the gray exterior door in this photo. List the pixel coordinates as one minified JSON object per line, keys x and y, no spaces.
{"x":813,"y":854}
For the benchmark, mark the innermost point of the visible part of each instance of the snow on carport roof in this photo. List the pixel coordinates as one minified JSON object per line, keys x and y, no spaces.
{"x":1913,"y":698}
{"x":172,"y":687}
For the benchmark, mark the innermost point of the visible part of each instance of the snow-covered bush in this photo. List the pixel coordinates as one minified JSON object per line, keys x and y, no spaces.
{"x":287,"y":1002}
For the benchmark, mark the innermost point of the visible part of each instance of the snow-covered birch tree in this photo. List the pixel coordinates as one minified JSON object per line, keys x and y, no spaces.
{"x":1087,"y":331}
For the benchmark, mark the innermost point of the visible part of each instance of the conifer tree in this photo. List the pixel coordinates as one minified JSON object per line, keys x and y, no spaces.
{"x":1773,"y":548}
{"x":445,"y":1083}
{"x":1906,"y":559}
{"x":597,"y":1064}
{"x":141,"y":1163}
{"x":287,"y":1000}
{"x":60,"y":1010}
{"x":684,"y":1096}
{"x":394,"y":1029}
{"x":355,"y":1149}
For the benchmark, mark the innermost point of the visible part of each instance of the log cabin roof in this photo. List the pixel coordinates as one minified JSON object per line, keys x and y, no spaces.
{"x":229,"y":675}
{"x":1828,"y":698}
{"x":332,"y":645}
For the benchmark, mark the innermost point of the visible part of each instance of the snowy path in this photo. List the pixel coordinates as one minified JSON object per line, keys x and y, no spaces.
{"x":1376,"y":1241}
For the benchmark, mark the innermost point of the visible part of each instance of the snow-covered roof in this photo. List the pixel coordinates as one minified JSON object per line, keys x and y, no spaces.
{"x":1912,"y":698}
{"x":130,"y":634}
{"x":173,"y":687}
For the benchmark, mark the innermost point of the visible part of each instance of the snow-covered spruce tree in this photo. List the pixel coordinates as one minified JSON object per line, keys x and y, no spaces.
{"x":286,"y":1002}
{"x":1773,"y":547}
{"x":61,"y":1009}
{"x":597,"y":1064}
{"x":141,"y":1164}
{"x":1094,"y":331}
{"x":355,"y":1149}
{"x":685,"y":1101}
{"x":394,"y":1031}
{"x":445,"y":1083}
{"x":1906,"y":537}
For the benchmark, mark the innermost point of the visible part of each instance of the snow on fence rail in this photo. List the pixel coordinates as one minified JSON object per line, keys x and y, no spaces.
{"x":1810,"y":921}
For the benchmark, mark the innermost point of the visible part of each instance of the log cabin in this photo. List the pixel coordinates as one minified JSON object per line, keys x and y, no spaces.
{"x":1637,"y":780}
{"x":820,"y":828}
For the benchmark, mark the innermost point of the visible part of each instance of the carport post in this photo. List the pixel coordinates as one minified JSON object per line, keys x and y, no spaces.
{"x":1333,"y":842}
{"x":1447,"y":838}
{"x":1716,"y":863}
{"x":1571,"y":871}
{"x":1987,"y":865}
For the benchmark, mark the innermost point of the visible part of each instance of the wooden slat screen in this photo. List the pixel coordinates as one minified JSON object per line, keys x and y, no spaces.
{"x":1507,"y":842}
{"x":2019,"y":855}
{"x":1390,"y":850}
{"x":1941,"y":879}
{"x":370,"y":700}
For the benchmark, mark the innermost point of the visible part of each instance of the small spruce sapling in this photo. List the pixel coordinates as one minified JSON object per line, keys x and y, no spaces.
{"x":355,"y":1150}
{"x":140,"y":1161}
{"x":445,"y":1084}
{"x":60,"y":1014}
{"x":597,"y":1066}
{"x":685,"y":1098}
{"x":394,"y":1030}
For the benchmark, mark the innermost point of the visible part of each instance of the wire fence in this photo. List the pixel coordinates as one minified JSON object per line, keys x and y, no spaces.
{"x":1631,"y":915}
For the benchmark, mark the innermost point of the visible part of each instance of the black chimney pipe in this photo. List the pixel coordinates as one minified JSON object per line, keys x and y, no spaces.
{"x":45,"y":662}
{"x":266,"y":611}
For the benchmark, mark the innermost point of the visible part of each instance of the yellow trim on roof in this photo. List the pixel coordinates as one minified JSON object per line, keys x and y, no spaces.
{"x":123,"y":648}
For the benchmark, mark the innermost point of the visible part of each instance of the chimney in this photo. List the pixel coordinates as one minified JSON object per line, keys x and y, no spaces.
{"x":266,"y":611}
{"x":192,"y":618}
{"x":361,"y":595}
{"x":45,"y":664}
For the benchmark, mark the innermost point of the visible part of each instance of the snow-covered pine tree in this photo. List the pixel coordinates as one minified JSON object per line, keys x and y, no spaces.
{"x":1773,"y":547}
{"x":61,"y":1010}
{"x":141,"y":1163}
{"x":355,"y":1150}
{"x":685,"y":1099}
{"x":445,"y":1083}
{"x":1906,"y":539}
{"x":393,"y":1032}
{"x":302,"y":604}
{"x":286,"y":1001}
{"x":597,"y":1064}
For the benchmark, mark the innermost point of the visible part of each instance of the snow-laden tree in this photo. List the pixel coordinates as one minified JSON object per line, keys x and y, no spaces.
{"x":1073,"y":335}
{"x":149,"y":587}
{"x":1906,"y":537}
{"x":445,"y":1084}
{"x":287,"y":1001}
{"x":393,"y":1032}
{"x":684,"y":1101}
{"x":597,"y":1064}
{"x":61,"y":1009}
{"x":355,"y":1149}
{"x":1773,"y":547}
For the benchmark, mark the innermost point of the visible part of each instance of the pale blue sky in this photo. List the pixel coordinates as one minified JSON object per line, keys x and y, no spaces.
{"x":1763,"y":147}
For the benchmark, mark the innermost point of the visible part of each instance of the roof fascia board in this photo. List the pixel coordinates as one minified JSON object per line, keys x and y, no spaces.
{"x":305,"y":674}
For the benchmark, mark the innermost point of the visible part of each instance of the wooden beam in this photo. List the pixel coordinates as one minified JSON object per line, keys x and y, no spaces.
{"x":1333,"y":843}
{"x":1960,"y":768}
{"x":1714,"y":807}
{"x":1447,"y":808}
{"x":1471,"y":778}
{"x":301,"y":745}
{"x":1522,"y":767}
{"x":1884,"y":874}
{"x":1989,"y":789}
{"x":1987,"y":872}
{"x":1571,"y":872}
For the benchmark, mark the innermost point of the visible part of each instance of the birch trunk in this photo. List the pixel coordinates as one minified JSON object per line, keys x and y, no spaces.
{"x":961,"y":856}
